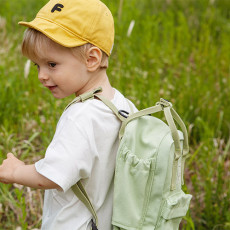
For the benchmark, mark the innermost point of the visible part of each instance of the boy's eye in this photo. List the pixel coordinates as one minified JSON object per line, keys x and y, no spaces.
{"x":52,"y":64}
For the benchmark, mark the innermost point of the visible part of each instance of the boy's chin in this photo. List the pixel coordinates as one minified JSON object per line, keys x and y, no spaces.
{"x":58,"y":96}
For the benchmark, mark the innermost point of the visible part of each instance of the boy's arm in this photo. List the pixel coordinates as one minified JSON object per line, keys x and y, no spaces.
{"x":13,"y":170}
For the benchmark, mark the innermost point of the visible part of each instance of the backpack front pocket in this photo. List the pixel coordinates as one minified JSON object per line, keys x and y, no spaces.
{"x":175,"y":207}
{"x":132,"y":177}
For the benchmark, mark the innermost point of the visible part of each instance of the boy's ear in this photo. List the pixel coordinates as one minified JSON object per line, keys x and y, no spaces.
{"x":93,"y":61}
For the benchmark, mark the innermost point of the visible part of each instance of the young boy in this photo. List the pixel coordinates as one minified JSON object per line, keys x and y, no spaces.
{"x":70,"y":41}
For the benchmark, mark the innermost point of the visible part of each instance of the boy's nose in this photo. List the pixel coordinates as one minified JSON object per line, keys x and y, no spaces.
{"x":42,"y":76}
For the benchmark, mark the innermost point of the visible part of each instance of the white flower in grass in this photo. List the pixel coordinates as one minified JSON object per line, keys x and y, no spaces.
{"x":212,"y":2}
{"x":2,"y":22}
{"x":131,"y":25}
{"x":27,"y":69}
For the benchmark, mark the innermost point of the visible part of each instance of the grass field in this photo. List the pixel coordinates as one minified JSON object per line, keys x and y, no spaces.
{"x":178,"y":50}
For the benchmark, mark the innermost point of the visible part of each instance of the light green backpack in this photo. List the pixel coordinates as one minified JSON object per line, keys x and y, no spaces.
{"x":149,"y":170}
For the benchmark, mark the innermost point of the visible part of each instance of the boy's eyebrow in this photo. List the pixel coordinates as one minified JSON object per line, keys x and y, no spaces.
{"x":43,"y":59}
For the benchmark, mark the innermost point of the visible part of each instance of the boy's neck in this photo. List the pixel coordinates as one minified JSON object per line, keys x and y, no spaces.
{"x":99,"y":79}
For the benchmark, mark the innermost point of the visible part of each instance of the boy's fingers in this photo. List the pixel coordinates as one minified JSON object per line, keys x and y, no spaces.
{"x":10,"y":155}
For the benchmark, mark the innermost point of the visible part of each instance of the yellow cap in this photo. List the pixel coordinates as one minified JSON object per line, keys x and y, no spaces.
{"x":74,"y":23}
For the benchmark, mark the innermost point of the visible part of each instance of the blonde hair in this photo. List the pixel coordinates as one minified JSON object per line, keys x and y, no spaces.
{"x":34,"y":42}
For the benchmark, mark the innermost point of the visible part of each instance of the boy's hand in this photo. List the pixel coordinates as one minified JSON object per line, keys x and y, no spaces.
{"x":12,"y":170}
{"x":8,"y":168}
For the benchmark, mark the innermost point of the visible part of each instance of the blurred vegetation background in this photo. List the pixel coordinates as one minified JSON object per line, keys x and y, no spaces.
{"x":175,"y":49}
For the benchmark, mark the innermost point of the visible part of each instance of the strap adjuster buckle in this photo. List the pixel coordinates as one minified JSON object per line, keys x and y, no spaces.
{"x":90,"y":95}
{"x":123,"y":113}
{"x":164,"y":103}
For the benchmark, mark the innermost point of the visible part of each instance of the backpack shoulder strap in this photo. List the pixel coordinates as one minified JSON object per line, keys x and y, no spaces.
{"x":78,"y":188}
{"x":84,"y":97}
{"x":80,"y":192}
{"x":94,"y":94}
{"x":111,"y":106}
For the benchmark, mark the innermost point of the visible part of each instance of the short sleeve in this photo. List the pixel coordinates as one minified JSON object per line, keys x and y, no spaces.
{"x":69,"y":157}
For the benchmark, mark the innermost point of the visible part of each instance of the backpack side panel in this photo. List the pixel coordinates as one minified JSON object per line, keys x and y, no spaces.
{"x":135,"y":172}
{"x":174,"y":203}
{"x":163,"y":165}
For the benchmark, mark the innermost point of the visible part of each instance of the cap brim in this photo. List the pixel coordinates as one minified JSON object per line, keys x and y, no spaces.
{"x":55,"y":32}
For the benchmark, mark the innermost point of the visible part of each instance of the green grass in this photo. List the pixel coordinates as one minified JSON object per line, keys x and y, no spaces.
{"x":178,"y":50}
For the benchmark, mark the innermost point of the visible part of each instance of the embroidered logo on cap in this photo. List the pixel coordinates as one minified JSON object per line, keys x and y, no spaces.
{"x":57,"y":7}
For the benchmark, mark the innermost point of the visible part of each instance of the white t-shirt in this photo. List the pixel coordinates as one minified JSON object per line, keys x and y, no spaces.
{"x":84,"y":147}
